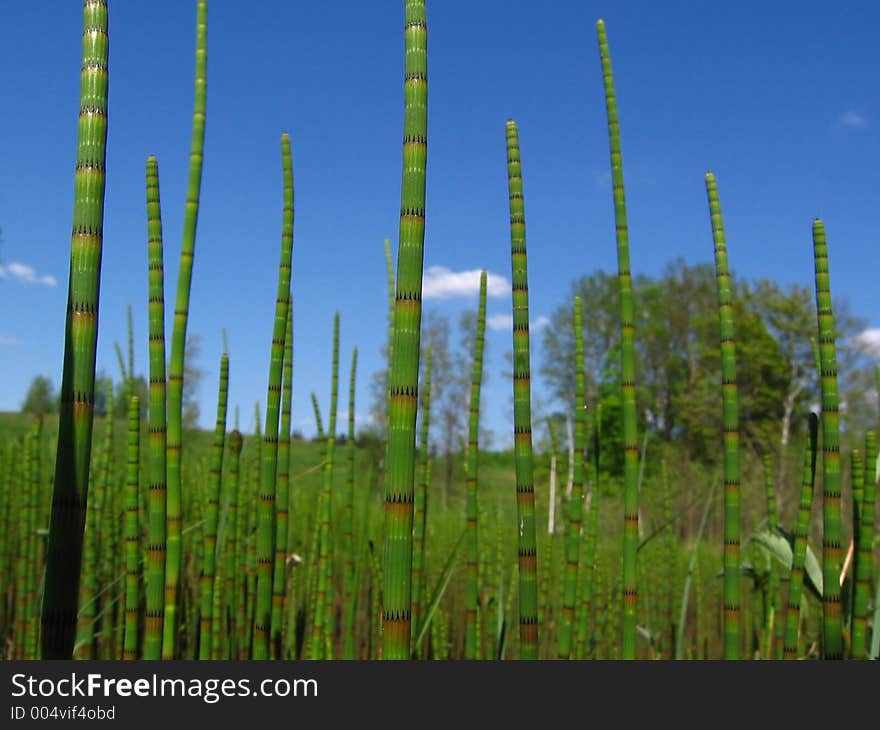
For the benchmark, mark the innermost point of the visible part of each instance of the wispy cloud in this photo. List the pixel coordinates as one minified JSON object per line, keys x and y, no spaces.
{"x":505,"y":322}
{"x":539,"y":323}
{"x":25,"y":274}
{"x":9,"y":341}
{"x":868,"y":341}
{"x":442,"y":283}
{"x":853,"y":120}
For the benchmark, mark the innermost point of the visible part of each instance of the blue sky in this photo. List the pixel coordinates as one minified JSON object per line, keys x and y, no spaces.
{"x":780,"y":102}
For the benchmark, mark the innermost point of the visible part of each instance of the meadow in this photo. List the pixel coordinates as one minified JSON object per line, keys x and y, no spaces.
{"x":658,"y":516}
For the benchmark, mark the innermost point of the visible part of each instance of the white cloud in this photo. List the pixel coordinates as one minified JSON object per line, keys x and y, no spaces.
{"x":505,"y":322}
{"x":539,"y":323}
{"x":9,"y":341}
{"x":442,"y":283}
{"x":500,"y":322}
{"x":852,"y":119}
{"x":25,"y":274}
{"x":868,"y":342}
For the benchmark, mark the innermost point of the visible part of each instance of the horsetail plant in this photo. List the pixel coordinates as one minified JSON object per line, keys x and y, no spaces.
{"x":576,"y":506}
{"x":76,"y":414}
{"x":471,"y":649}
{"x":234,"y":543}
{"x":266,"y":522}
{"x":404,"y":370}
{"x":282,"y":496}
{"x":627,"y":356}
{"x":421,"y":503}
{"x":863,"y":567}
{"x":323,"y":605}
{"x":730,"y":425}
{"x":155,"y":583}
{"x":522,"y":417}
{"x":799,"y":550}
{"x":832,"y":637}
{"x":173,"y":515}
{"x":132,"y":555}
{"x":212,"y":512}
{"x":349,"y":581}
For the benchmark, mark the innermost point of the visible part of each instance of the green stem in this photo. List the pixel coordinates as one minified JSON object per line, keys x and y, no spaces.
{"x":266,"y":521}
{"x":471,"y":648}
{"x":173,"y":514}
{"x":730,"y":417}
{"x":76,"y":415}
{"x":522,"y":418}
{"x":132,"y":552}
{"x":627,"y":360}
{"x":404,"y":370}
{"x":832,"y":636}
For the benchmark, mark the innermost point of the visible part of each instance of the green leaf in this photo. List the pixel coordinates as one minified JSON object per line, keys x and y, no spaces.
{"x":439,"y":589}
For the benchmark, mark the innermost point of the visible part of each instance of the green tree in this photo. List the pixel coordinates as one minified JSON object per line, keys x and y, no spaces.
{"x":192,"y":378}
{"x":41,"y":397}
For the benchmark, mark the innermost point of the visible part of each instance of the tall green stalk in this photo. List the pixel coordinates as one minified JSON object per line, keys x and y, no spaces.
{"x":404,"y":370}
{"x":323,"y":602}
{"x":266,"y":522}
{"x":773,"y":618}
{"x":832,"y":637}
{"x":574,"y":523}
{"x":471,"y":648}
{"x":235,"y":544}
{"x":173,"y":515}
{"x":799,"y":551}
{"x":864,"y":556}
{"x":730,"y":425}
{"x":212,"y":513}
{"x":349,"y":581}
{"x":627,"y":360}
{"x":132,"y":552}
{"x":76,"y":414}
{"x":522,"y":409}
{"x":282,"y":496}
{"x":155,"y":583}
{"x":421,"y":504}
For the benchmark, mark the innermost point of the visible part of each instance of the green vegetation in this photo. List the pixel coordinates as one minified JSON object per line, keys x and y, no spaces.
{"x":257,"y":546}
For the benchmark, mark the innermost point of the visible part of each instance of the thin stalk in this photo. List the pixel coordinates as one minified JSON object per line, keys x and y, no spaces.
{"x":266,"y":522}
{"x":173,"y":514}
{"x":627,"y":360}
{"x":832,"y":636}
{"x":76,"y":414}
{"x":574,"y":523}
{"x":282,"y":496}
{"x":156,"y":546}
{"x":132,"y":551}
{"x":209,"y":569}
{"x":323,"y":604}
{"x":682,"y":616}
{"x":863,"y":567}
{"x":421,"y":505}
{"x":730,"y":419}
{"x":404,"y":370}
{"x":799,"y":551}
{"x":349,"y":582}
{"x":471,"y":649}
{"x":522,"y":418}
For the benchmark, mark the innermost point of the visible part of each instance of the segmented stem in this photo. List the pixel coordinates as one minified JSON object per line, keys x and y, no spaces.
{"x":730,"y":425}
{"x":627,"y":359}
{"x":522,"y":416}
{"x":76,"y":415}
{"x":404,"y":370}
{"x":173,"y":505}
{"x":832,"y":637}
